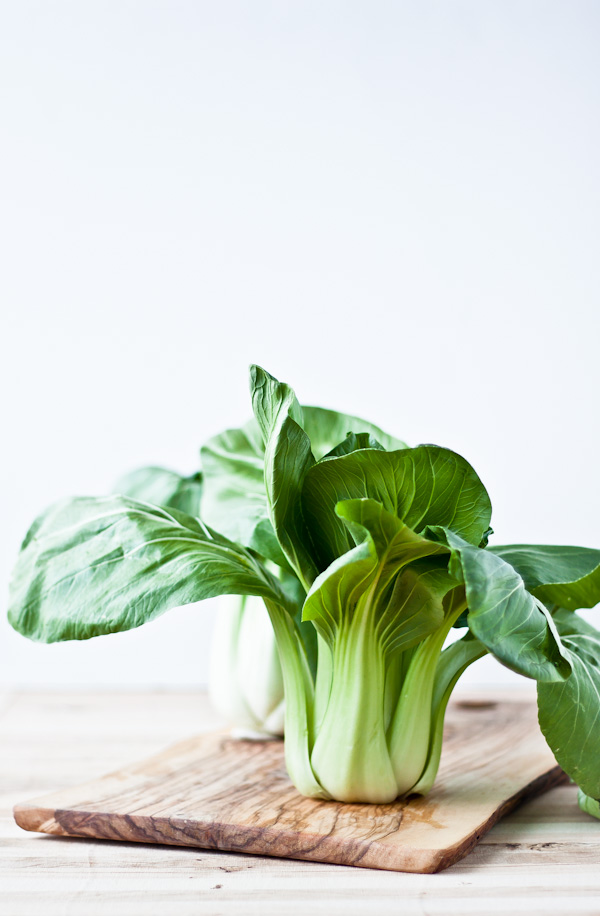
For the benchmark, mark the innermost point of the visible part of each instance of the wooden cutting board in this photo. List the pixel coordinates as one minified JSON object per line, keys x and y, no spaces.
{"x":218,"y":793}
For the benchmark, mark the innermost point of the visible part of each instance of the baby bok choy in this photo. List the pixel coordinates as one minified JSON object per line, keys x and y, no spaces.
{"x":245,"y":679}
{"x":365,"y":554}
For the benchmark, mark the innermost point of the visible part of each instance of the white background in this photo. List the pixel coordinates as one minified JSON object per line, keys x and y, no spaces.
{"x":393,"y":206}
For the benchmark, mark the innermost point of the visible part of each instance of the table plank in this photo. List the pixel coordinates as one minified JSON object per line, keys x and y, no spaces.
{"x":542,"y":859}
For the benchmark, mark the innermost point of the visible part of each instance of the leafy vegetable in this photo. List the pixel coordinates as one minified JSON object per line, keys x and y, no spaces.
{"x":246,"y":683}
{"x":365,"y":554}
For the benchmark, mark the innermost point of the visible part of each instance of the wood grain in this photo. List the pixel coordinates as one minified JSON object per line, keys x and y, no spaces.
{"x":540,"y":860}
{"x":217,"y":793}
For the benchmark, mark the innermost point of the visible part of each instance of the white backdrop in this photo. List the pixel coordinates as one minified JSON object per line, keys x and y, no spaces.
{"x":393,"y":206}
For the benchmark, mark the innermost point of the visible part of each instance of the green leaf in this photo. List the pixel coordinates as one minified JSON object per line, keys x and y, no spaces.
{"x":327,"y":429}
{"x":373,"y":578}
{"x":163,"y":487}
{"x":422,"y":486}
{"x":339,"y":588}
{"x":352,"y":443}
{"x":514,"y":625}
{"x":569,"y":712}
{"x":90,"y":566}
{"x":288,"y":457}
{"x":566,"y":576}
{"x":235,"y":499}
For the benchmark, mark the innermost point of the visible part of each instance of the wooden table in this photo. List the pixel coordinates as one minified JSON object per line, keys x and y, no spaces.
{"x":542,"y":859}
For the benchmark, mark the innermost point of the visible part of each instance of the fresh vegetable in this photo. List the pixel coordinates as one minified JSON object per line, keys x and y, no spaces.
{"x":366,"y":554}
{"x":245,"y":681}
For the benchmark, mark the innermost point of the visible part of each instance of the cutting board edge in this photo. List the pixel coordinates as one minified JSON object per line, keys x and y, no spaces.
{"x":269,"y":841}
{"x":555,"y":776}
{"x":266,"y":841}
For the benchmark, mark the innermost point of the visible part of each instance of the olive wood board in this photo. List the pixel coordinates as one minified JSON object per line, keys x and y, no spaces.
{"x":216,"y":792}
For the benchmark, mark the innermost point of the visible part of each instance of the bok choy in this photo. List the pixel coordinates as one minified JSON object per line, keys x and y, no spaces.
{"x":245,"y":680}
{"x":366,"y":554}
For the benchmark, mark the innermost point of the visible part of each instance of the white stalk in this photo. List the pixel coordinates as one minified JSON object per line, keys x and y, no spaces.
{"x":245,"y":680}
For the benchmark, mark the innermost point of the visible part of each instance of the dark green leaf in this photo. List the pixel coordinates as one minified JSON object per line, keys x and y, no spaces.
{"x":569,"y":712}
{"x":422,"y":486}
{"x":288,"y":456}
{"x":511,"y":623}
{"x":566,"y":576}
